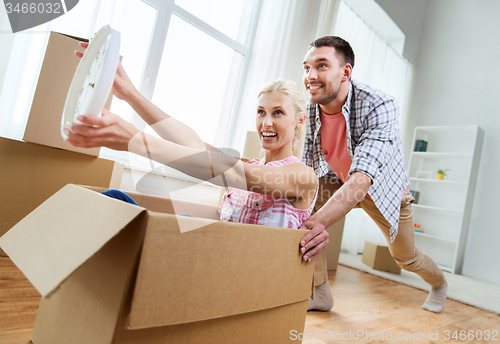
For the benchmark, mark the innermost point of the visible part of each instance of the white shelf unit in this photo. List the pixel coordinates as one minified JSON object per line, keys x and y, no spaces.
{"x":444,"y":206}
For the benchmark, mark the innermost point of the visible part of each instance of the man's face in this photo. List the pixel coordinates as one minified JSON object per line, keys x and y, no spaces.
{"x":323,"y":74}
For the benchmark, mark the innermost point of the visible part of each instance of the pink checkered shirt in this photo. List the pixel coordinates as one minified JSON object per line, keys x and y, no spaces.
{"x":258,"y":209}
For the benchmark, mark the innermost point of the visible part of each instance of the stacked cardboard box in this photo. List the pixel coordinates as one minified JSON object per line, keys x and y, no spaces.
{"x":59,"y":66}
{"x":31,"y":173}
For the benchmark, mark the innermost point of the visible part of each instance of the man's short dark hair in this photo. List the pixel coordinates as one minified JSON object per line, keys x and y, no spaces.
{"x":342,"y":47}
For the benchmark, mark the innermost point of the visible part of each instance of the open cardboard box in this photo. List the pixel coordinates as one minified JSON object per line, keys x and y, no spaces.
{"x":112,"y":272}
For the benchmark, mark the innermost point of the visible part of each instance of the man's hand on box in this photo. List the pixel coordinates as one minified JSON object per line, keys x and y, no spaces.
{"x":108,"y":130}
{"x":315,"y":241}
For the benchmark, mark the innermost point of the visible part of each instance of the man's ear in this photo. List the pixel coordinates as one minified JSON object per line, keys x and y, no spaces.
{"x":347,"y":72}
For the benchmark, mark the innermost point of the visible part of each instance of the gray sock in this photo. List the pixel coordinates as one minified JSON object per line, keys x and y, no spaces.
{"x":323,"y":299}
{"x":436,"y":299}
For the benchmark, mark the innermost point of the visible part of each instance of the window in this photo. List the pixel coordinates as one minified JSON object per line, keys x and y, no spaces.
{"x":193,"y":78}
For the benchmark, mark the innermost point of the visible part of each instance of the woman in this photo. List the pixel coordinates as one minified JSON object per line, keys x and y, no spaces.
{"x":277,"y":190}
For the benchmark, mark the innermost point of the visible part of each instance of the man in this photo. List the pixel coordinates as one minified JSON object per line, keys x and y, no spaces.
{"x":354,"y":145}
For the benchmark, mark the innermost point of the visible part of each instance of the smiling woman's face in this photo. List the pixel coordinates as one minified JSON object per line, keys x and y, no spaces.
{"x":276,"y":123}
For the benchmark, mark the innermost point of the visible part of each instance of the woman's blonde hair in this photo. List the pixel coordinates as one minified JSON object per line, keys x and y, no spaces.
{"x":294,"y":92}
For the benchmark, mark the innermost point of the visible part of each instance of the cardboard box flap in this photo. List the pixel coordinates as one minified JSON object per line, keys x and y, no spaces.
{"x":197,"y":280}
{"x":63,"y":233}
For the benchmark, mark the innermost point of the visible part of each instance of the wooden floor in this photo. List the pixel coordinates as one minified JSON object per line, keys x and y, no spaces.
{"x":367,"y":309}
{"x":18,"y":304}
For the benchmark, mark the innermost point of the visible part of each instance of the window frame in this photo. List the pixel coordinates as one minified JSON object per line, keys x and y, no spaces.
{"x":165,"y":9}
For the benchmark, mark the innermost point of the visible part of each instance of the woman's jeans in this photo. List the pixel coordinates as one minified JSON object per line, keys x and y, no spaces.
{"x":119,"y":195}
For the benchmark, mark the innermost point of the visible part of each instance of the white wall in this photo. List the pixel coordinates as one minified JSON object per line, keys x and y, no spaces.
{"x":457,"y":74}
{"x":409,"y":16}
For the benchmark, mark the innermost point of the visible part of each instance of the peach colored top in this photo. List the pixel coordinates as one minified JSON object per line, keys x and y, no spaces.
{"x":334,"y":144}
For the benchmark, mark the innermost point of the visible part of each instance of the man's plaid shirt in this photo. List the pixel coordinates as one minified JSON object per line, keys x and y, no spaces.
{"x":374,"y":144}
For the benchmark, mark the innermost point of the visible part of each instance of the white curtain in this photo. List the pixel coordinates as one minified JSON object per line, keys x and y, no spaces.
{"x":21,"y":56}
{"x":378,"y":65}
{"x":284,"y":32}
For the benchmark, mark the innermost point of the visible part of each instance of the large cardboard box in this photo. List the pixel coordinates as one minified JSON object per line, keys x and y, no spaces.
{"x":31,"y":173}
{"x":332,"y":251}
{"x":112,"y":272}
{"x":59,"y":66}
{"x":378,"y":257}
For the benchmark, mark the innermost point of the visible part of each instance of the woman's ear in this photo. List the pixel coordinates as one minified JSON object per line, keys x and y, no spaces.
{"x":301,"y":120}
